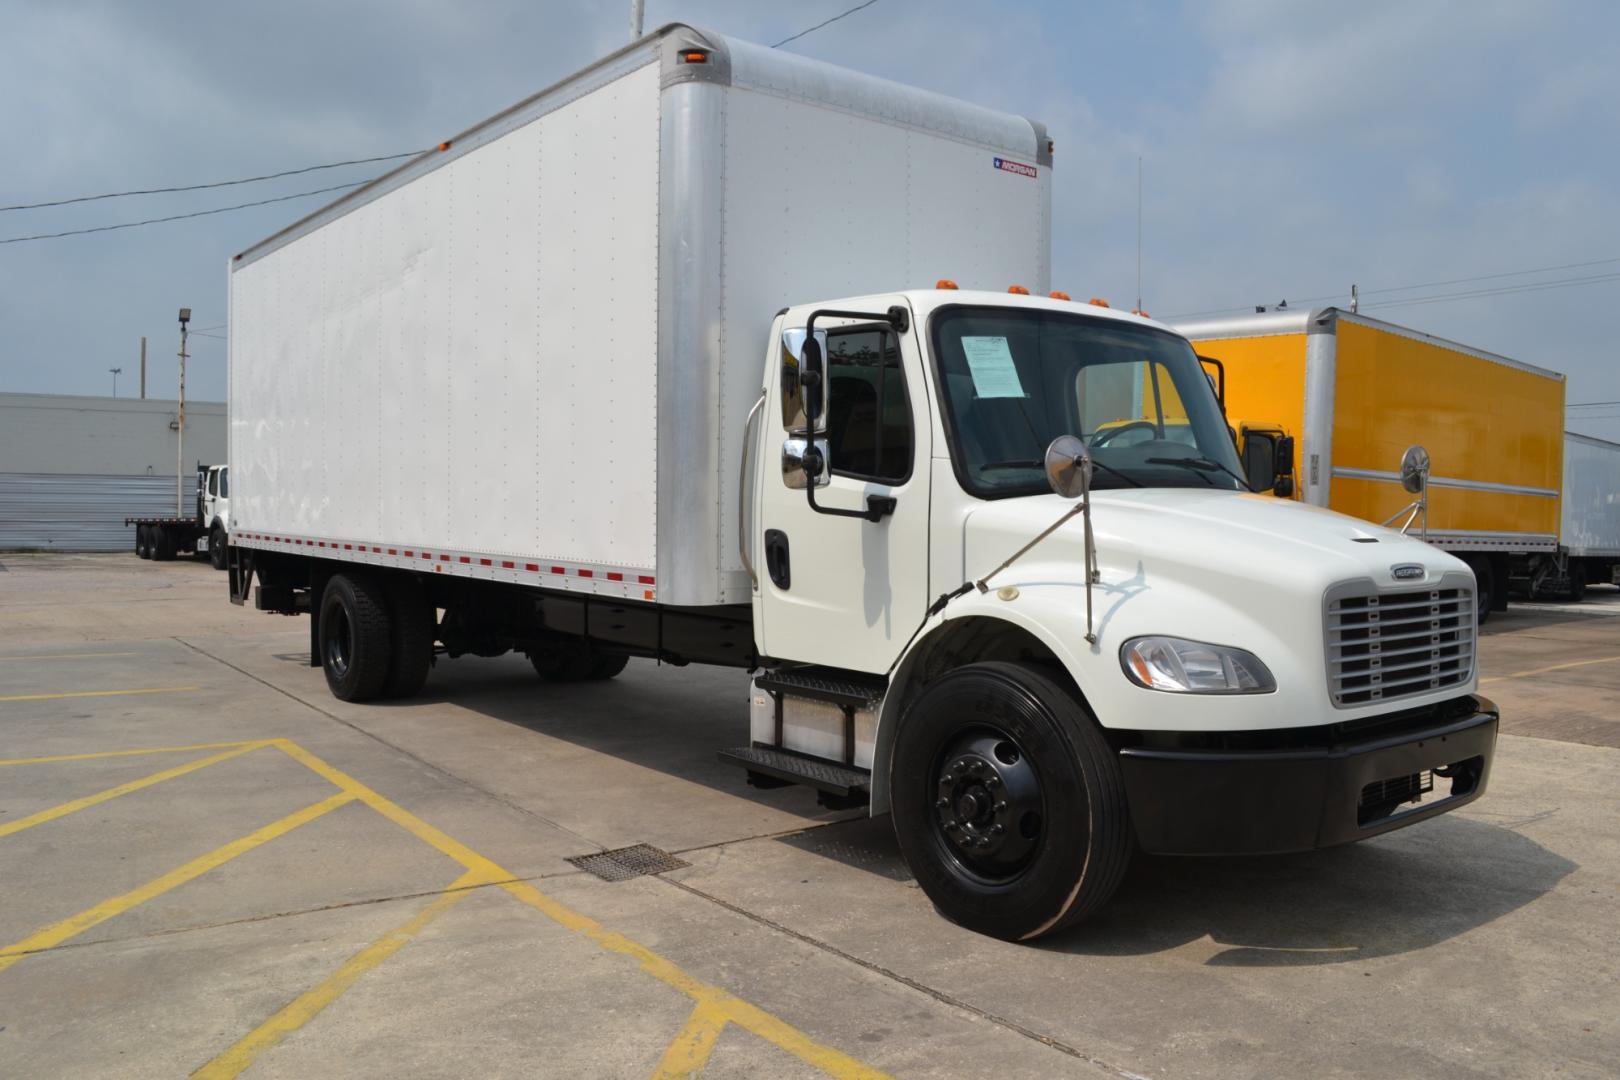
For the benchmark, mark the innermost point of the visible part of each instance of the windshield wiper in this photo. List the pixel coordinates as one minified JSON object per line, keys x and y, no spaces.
{"x":1201,"y":466}
{"x":1109,"y":469}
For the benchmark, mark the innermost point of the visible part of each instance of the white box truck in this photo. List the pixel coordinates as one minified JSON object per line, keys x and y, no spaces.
{"x":1589,"y":524}
{"x":640,"y":367}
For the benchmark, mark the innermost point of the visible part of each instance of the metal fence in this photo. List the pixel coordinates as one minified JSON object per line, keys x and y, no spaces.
{"x":50,"y":512}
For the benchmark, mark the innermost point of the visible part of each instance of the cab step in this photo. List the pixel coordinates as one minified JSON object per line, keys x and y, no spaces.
{"x":841,"y":786}
{"x":845,"y":688}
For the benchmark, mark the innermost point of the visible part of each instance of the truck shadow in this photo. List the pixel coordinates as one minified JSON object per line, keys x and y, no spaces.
{"x":1395,"y":894}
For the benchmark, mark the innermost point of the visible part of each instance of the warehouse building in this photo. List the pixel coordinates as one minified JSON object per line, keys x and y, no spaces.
{"x":72,"y":468}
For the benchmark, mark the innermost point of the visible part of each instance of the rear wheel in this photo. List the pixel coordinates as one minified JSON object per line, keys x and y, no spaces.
{"x":143,"y":541}
{"x":355,"y":637}
{"x":163,"y":544}
{"x":1485,"y":586}
{"x":216,"y":548}
{"x":1577,"y":582}
{"x":411,"y":648}
{"x":1008,"y":803}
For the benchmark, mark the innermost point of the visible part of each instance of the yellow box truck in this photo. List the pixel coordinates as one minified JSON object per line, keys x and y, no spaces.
{"x":1325,"y":402}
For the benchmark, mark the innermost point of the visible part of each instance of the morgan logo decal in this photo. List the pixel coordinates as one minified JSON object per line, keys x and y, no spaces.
{"x":1406,"y":572}
{"x":1006,"y":165}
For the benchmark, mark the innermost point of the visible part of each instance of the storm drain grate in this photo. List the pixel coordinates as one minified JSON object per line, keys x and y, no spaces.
{"x":622,"y":864}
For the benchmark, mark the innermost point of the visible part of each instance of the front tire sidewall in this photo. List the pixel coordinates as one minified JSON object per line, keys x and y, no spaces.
{"x":369,"y":637}
{"x":1073,"y":870}
{"x":216,"y":548}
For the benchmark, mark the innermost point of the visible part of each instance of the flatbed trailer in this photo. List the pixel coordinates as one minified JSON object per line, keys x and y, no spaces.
{"x":204,"y":532}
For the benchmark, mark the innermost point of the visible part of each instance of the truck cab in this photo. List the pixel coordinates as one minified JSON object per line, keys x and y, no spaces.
{"x":1180,"y":663}
{"x":214,"y":511}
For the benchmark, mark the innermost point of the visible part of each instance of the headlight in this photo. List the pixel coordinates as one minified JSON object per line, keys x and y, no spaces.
{"x":1193,"y":667}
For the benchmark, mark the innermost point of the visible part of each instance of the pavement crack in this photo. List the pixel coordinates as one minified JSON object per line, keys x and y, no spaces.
{"x":1049,"y":1041}
{"x":423,"y":762}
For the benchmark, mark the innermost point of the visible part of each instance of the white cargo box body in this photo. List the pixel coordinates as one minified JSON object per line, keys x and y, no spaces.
{"x":529,"y":356}
{"x":1591,"y":497}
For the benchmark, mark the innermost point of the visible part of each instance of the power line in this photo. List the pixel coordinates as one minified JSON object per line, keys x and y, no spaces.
{"x":215,"y":184}
{"x":1591,"y":404}
{"x":828,"y":22}
{"x":1474,"y":294}
{"x":1408,"y":288}
{"x":181,"y":217}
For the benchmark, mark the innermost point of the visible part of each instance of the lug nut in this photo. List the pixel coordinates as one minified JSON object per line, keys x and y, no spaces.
{"x":980,"y":768}
{"x":992,"y":782}
{"x":984,"y":841}
{"x":996,"y":829}
{"x":959,"y":768}
{"x":1000,"y":806}
{"x":942,"y":804}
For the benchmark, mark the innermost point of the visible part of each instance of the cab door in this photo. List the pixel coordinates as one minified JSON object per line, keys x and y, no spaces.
{"x":838,"y":588}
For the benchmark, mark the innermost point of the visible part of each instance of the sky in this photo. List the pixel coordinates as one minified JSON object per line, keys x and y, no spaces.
{"x":1288,"y":150}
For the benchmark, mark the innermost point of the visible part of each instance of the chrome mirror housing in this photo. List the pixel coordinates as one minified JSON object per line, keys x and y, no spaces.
{"x":1068,"y":466}
{"x":1415,"y":469}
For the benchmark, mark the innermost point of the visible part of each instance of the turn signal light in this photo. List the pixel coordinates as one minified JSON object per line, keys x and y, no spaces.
{"x":1059,"y":294}
{"x":1097,"y":301}
{"x":694,"y":57}
{"x":944,"y":283}
{"x":1018,"y":290}
{"x":444,"y":146}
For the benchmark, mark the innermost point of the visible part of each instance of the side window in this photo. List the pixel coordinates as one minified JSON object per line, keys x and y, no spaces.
{"x":868,"y":411}
{"x":213,"y":481}
{"x":224,"y":483}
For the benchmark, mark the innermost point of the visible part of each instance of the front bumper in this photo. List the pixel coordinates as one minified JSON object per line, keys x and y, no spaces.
{"x":1269,"y":800}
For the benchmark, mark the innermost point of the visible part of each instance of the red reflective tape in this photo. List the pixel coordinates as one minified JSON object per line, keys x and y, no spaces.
{"x":586,"y":573}
{"x":409,"y":554}
{"x":645,"y":579}
{"x":348,"y":547}
{"x":425,"y":555}
{"x":531,"y":568}
{"x":506,"y":566}
{"x":613,"y":576}
{"x":444,"y":558}
{"x":481,"y":562}
{"x":558,"y":570}
{"x":465,"y":559}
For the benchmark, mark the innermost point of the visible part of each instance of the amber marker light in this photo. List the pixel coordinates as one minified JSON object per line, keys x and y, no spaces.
{"x":694,"y":57}
{"x":444,"y":146}
{"x":1097,"y":301}
{"x":1059,"y":294}
{"x":1018,"y":290}
{"x":944,"y":283}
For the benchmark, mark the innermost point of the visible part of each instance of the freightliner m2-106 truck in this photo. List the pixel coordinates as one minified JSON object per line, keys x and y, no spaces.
{"x":637,"y":369}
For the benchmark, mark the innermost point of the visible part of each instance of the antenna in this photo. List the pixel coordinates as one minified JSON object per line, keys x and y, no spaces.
{"x":1139,"y":232}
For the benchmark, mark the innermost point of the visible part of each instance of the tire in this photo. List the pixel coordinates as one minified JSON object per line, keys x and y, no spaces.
{"x":356,"y":637}
{"x":216,"y":548}
{"x":1008,"y":803}
{"x":411,"y":652}
{"x":607,"y":665}
{"x":163,"y":544}
{"x":1485,"y":591}
{"x":1577,"y":582}
{"x":143,"y":541}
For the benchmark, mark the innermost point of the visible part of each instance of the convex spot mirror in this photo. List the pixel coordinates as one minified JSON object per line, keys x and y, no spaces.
{"x":1068,"y":466}
{"x":1415,"y":469}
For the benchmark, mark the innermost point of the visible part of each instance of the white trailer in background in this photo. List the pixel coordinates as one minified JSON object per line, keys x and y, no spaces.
{"x":1589,"y":537}
{"x":641,"y":367}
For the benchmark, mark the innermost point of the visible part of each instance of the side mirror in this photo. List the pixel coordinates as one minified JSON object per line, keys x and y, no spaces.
{"x":1284,"y":460}
{"x":1283,"y":487}
{"x":1068,"y":466}
{"x":792,"y":367}
{"x":1415,"y":469}
{"x":810,"y":380}
{"x":1216,"y":377}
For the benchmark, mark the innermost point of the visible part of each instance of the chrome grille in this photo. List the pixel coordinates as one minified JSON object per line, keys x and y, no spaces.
{"x":1385,"y":646}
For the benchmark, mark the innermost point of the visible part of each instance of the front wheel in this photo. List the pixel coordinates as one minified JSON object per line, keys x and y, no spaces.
{"x":356,"y":637}
{"x":216,"y":548}
{"x":1008,"y":803}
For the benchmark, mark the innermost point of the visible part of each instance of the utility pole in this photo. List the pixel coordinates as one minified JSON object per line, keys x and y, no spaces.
{"x":1138,"y":233}
{"x":637,"y":8}
{"x":115,"y":371}
{"x":180,"y":427}
{"x":143,"y":367}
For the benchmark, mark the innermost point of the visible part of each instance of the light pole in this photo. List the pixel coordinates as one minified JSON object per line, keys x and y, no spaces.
{"x":115,"y":372}
{"x":180,"y":428}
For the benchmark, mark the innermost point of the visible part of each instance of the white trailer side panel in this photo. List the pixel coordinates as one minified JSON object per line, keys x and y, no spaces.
{"x":467,"y":361}
{"x":1591,"y":503}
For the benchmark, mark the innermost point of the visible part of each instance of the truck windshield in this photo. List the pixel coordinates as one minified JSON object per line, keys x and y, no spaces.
{"x":1015,"y":379}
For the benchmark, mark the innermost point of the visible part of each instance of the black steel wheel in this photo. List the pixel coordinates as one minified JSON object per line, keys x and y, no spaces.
{"x":355,"y":637}
{"x":1008,"y":803}
{"x":143,"y":541}
{"x":411,"y":654}
{"x":216,"y":548}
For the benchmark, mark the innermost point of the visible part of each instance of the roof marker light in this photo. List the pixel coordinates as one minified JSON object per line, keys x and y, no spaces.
{"x":1097,"y":301}
{"x":1139,"y":311}
{"x":1018,"y":290}
{"x":1059,"y":294}
{"x":694,"y":56}
{"x":444,"y":146}
{"x":944,"y":283}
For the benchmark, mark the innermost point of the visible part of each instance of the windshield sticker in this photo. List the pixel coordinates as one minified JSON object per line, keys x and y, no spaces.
{"x":1007,"y":165}
{"x":990,"y":363}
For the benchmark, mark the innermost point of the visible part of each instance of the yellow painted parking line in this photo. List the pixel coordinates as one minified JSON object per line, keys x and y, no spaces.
{"x":64,"y":809}
{"x":690,"y":1051}
{"x":135,"y":753}
{"x":71,"y":656}
{"x":1554,"y":667}
{"x":732,"y":1008}
{"x":308,"y":1004}
{"x":101,"y":693}
{"x":51,"y":936}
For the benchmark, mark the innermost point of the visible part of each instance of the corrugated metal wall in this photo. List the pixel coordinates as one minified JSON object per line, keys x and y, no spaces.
{"x":82,"y":513}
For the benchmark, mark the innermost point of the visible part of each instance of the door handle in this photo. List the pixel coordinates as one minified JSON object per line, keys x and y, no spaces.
{"x":776,"y":559}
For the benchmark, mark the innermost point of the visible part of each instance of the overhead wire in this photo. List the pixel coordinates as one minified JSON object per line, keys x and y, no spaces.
{"x":180,"y":217}
{"x":824,"y":22}
{"x":213,"y":184}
